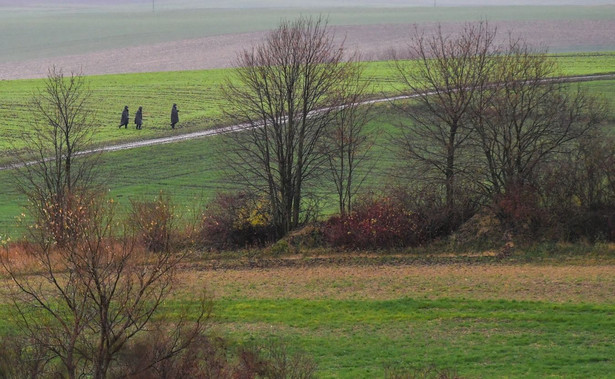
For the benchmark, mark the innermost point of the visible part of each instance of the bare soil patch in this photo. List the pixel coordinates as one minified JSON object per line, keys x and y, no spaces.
{"x":374,"y":42}
{"x":521,"y":282}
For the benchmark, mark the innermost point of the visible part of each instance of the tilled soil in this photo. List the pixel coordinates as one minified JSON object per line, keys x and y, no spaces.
{"x":373,"y":42}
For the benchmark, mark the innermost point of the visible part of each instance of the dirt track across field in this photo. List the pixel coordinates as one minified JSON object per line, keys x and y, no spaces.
{"x":374,"y":42}
{"x":242,"y":127}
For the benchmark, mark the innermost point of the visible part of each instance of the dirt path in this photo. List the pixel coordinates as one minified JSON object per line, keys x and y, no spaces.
{"x":241,"y":127}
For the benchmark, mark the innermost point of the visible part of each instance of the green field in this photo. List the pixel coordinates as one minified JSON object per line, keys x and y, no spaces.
{"x":191,"y":172}
{"x":354,"y":339}
{"x":197,"y":94}
{"x":482,"y":320}
{"x":505,"y":319}
{"x":545,"y":312}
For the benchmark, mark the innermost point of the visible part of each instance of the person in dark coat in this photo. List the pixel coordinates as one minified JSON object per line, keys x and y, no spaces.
{"x":139,"y":118}
{"x":125,"y":117}
{"x":174,"y":116}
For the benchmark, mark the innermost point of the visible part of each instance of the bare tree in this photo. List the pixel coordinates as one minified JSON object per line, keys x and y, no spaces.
{"x":95,"y":289}
{"x":62,"y":128}
{"x":91,"y":297}
{"x":283,"y":89}
{"x":525,"y":116}
{"x":347,"y":142}
{"x":446,"y":75}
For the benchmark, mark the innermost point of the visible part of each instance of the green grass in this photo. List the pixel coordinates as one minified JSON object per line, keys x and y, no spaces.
{"x":197,"y":94}
{"x":488,"y":338}
{"x":351,"y":339}
{"x":43,"y":32}
{"x":191,"y":172}
{"x":586,"y":64}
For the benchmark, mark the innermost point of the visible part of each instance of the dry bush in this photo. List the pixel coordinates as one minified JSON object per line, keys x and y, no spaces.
{"x":438,"y":219}
{"x":208,"y":357}
{"x":21,"y":358}
{"x":578,"y":191}
{"x":235,"y":220}
{"x":93,"y":293}
{"x":280,"y":363}
{"x":519,"y":209}
{"x":153,"y":222}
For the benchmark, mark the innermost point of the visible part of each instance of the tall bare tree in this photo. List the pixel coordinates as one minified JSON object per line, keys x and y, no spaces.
{"x":348,"y":142}
{"x":525,"y":116}
{"x":445,"y":76}
{"x":284,"y":88}
{"x":62,"y":127}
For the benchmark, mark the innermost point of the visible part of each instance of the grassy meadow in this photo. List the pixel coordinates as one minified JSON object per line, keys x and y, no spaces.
{"x":507,"y":319}
{"x":548,"y":315}
{"x":197,"y":94}
{"x":192,"y":172}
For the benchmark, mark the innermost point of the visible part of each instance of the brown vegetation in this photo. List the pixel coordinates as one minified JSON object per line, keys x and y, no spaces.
{"x":591,"y":282}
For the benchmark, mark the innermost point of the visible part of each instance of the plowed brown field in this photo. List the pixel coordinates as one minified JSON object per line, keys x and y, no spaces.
{"x":373,"y":42}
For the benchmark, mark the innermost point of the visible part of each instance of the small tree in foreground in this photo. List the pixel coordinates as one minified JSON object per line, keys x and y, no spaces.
{"x":89,"y":298}
{"x":50,"y":172}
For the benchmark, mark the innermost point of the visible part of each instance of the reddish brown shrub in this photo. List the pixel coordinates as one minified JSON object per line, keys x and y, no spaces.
{"x":375,"y":223}
{"x":519,"y":208}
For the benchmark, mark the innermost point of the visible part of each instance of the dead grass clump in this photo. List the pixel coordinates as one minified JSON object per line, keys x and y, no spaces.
{"x":419,"y":373}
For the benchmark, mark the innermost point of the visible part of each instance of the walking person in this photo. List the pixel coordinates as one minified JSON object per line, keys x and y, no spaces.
{"x":174,"y":116}
{"x":125,"y":118}
{"x":139,"y":118}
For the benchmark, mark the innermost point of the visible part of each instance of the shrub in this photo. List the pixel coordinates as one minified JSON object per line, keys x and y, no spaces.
{"x":519,"y":209}
{"x":375,"y":223}
{"x":60,"y":219}
{"x":438,"y":218}
{"x":308,"y":237}
{"x":212,"y":357}
{"x":153,"y":222}
{"x":236,"y":220}
{"x":278,"y":362}
{"x":21,"y":357}
{"x":578,"y":191}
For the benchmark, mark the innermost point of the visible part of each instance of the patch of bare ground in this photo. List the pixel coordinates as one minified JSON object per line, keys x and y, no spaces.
{"x":373,"y":42}
{"x":522,"y":282}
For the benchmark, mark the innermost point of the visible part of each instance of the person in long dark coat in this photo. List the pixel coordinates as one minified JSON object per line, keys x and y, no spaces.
{"x":139,"y":118}
{"x":125,"y":117}
{"x":174,"y":116}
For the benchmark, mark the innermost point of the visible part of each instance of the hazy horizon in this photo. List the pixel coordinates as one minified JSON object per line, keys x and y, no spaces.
{"x":188,"y":4}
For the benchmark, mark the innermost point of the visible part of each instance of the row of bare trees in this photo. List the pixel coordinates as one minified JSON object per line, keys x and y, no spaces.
{"x":290,"y":89}
{"x":490,"y":117}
